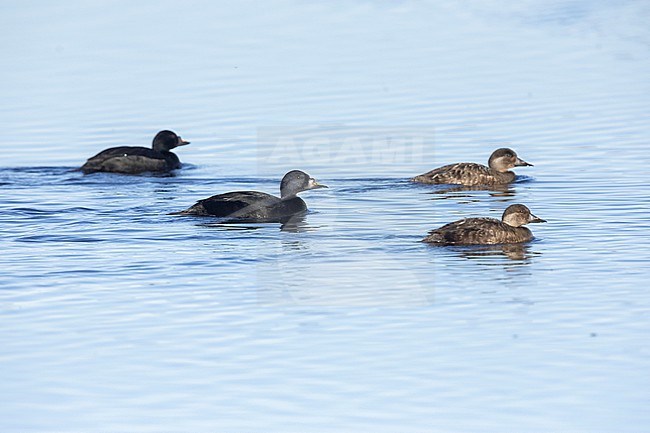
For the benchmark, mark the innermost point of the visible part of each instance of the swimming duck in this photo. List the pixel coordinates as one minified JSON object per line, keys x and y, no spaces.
{"x":258,"y":206}
{"x":135,"y":159}
{"x":469,"y":173}
{"x":485,"y":231}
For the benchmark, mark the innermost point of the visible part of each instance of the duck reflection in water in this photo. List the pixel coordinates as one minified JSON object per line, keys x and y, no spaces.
{"x":515,"y":252}
{"x":294,"y":224}
{"x":456,"y":191}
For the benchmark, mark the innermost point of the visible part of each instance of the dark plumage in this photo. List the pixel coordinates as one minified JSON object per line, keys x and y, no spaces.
{"x":258,"y":206}
{"x":469,"y":173}
{"x":134,"y":159}
{"x":477,"y":231}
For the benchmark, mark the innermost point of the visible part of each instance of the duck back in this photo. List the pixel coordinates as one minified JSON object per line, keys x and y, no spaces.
{"x":131,"y":160}
{"x":465,"y":173}
{"x":476,"y":231}
{"x":247,"y":205}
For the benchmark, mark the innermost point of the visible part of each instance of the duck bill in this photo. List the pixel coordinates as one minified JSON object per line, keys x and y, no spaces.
{"x":182,"y":142}
{"x":313,"y":184}
{"x":521,"y":163}
{"x":535,"y":219}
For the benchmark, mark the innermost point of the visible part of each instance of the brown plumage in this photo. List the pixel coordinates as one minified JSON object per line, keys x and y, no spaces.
{"x":469,"y":173}
{"x":485,"y":231}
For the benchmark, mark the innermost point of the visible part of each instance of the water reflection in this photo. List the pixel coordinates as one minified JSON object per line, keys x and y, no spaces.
{"x":232,"y":226}
{"x":494,"y":191}
{"x":294,"y":224}
{"x":294,"y":245}
{"x":521,"y":253}
{"x":505,"y":191}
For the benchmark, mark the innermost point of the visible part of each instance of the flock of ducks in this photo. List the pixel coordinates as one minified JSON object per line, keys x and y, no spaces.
{"x":262,"y":207}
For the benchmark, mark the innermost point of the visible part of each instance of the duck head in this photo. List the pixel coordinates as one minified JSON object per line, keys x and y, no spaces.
{"x":504,"y":159}
{"x":517,"y":215}
{"x":297,"y":181}
{"x":165,"y":141}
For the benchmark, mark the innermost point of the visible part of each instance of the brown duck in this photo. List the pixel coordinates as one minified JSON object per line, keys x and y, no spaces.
{"x":469,"y":173}
{"x":487,"y":231}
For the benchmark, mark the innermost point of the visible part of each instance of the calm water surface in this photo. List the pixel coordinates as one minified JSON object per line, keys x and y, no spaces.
{"x":116,"y":316}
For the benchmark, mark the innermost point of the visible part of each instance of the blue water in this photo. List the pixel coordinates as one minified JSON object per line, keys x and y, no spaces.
{"x":116,"y":316}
